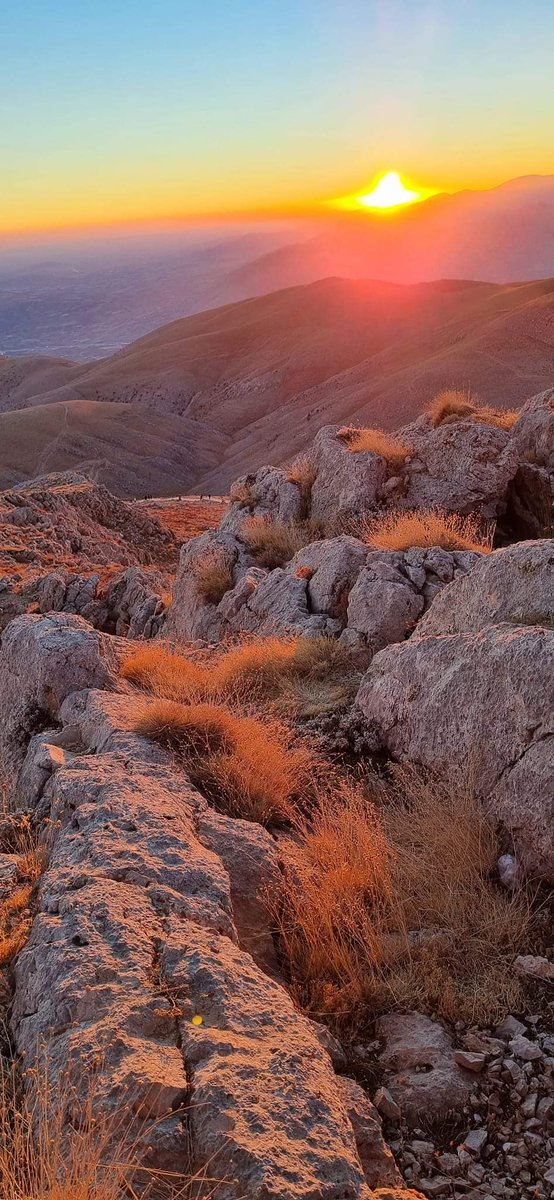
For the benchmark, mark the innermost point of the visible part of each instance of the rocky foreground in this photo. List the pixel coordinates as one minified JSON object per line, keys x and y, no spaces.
{"x":151,"y":959}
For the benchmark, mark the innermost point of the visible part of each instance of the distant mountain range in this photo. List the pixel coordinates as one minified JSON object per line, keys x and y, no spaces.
{"x":84,"y":299}
{"x":203,"y":399}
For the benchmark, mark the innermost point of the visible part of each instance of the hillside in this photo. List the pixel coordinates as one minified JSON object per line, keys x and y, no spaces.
{"x":264,"y":374}
{"x":119,"y":445}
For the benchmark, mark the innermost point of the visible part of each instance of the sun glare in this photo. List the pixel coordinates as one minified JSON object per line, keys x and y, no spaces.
{"x":389,"y":191}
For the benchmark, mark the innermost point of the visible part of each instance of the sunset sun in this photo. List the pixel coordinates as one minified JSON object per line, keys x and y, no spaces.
{"x":389,"y":191}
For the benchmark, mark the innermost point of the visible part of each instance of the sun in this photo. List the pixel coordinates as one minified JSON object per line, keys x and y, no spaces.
{"x":389,"y":191}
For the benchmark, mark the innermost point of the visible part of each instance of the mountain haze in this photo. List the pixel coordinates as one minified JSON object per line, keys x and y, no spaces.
{"x":259,"y":377}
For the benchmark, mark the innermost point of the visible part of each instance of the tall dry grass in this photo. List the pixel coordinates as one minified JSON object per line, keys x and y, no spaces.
{"x":302,"y":472}
{"x":376,"y":441}
{"x":274,"y":543}
{"x":391,"y":902}
{"x":54,"y":1145}
{"x":290,"y":673}
{"x":452,"y":405}
{"x":425,"y":528}
{"x":249,"y":767}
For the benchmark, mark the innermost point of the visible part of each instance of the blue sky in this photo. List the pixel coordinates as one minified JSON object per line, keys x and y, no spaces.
{"x":129,"y":110}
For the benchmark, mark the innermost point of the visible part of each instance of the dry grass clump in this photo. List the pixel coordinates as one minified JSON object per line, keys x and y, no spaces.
{"x":396,"y":907}
{"x":376,"y":441}
{"x":305,"y":676}
{"x":451,"y":406}
{"x":248,"y":767}
{"x":303,"y":474}
{"x":213,"y":576}
{"x":274,"y":543}
{"x":54,"y":1145}
{"x":241,"y":493}
{"x":389,"y":447}
{"x":398,"y":530}
{"x":16,"y":911}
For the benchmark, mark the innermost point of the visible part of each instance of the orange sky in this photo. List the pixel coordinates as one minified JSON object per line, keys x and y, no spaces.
{"x":146,"y":111}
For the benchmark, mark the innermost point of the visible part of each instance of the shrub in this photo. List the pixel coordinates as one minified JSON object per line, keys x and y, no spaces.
{"x":15,"y":911}
{"x":213,"y":576}
{"x":249,"y":767}
{"x":361,"y":881}
{"x":155,"y":668}
{"x":375,"y":441}
{"x":400,"y":530}
{"x":455,"y":406}
{"x":274,"y":543}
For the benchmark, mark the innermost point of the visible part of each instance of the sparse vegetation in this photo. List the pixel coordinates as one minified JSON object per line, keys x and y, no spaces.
{"x":291,"y":674}
{"x":15,"y":910}
{"x":249,"y":767}
{"x":54,"y":1145}
{"x":274,"y":543}
{"x":213,"y":575}
{"x":303,"y":473}
{"x":241,"y":493}
{"x":376,"y":441}
{"x":394,"y":905}
{"x":401,"y":530}
{"x":451,"y":406}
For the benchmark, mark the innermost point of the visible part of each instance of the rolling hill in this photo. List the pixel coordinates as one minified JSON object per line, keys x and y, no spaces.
{"x":119,"y":445}
{"x":254,"y":380}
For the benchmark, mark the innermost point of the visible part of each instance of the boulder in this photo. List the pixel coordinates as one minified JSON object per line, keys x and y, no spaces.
{"x":421,"y":1073}
{"x":275,"y":602}
{"x":331,"y":568}
{"x":269,"y":492}
{"x":392,"y":592}
{"x":347,"y":484}
{"x":42,"y":660}
{"x":515,"y":584}
{"x":481,"y":701}
{"x":460,"y":467}
{"x":376,"y":1158}
{"x":190,"y":616}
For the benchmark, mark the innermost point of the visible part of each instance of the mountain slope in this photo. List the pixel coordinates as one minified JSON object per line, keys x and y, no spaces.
{"x":265,"y":373}
{"x":118,"y":445}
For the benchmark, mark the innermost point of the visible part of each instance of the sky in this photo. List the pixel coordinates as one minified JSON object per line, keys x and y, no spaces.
{"x":131,"y":110}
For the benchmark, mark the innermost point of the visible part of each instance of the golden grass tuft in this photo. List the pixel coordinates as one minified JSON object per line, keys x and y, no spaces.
{"x":251,"y":768}
{"x":302,"y":472}
{"x":55,"y":1145}
{"x":363,"y":879}
{"x":213,"y":576}
{"x":241,"y":493}
{"x":16,"y":910}
{"x":274,"y":543}
{"x":402,"y":530}
{"x":451,"y":406}
{"x":299,"y":675}
{"x":376,"y":441}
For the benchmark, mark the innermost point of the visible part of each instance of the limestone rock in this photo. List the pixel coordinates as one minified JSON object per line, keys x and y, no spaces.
{"x":347,"y":484}
{"x":332,"y":567}
{"x":421,"y":1073}
{"x":42,"y":660}
{"x":460,"y":467}
{"x":430,"y":699}
{"x":515,"y":584}
{"x":376,"y":1158}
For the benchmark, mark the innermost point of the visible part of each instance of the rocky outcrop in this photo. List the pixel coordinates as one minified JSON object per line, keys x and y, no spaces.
{"x":331,"y":587}
{"x":148,"y":917}
{"x":479,"y":701}
{"x":461,"y":467}
{"x":347,"y":485}
{"x":531,"y":494}
{"x":130,"y":605}
{"x":513,"y":585}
